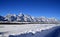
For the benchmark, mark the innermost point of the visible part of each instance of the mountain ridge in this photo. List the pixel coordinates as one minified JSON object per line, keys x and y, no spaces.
{"x":27,"y":18}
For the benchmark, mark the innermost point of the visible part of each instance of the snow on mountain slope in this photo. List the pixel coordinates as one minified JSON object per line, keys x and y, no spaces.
{"x":11,"y":17}
{"x":28,"y":18}
{"x":2,"y":18}
{"x":20,"y":17}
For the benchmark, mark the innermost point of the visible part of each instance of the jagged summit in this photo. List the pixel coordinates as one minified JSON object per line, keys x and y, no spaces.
{"x":27,"y":18}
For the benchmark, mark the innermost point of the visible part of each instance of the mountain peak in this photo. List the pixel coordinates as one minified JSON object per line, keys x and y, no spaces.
{"x":21,"y":14}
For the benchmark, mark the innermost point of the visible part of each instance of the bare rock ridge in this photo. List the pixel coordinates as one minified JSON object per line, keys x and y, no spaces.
{"x":23,"y":18}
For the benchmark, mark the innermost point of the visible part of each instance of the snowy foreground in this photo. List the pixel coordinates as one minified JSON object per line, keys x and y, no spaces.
{"x":23,"y":29}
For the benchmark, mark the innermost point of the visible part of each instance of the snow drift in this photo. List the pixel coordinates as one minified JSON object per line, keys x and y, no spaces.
{"x":53,"y":32}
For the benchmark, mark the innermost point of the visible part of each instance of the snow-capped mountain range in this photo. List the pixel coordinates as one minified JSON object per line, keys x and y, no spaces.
{"x":27,"y":18}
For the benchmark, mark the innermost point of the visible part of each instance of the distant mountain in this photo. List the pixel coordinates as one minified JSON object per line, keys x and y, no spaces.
{"x":2,"y":18}
{"x":11,"y":17}
{"x":27,"y":18}
{"x":20,"y":17}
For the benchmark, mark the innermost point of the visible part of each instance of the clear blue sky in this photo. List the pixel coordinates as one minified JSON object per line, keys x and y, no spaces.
{"x":37,"y":8}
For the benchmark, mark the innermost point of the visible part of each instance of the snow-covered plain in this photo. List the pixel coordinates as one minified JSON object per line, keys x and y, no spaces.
{"x":25,"y":28}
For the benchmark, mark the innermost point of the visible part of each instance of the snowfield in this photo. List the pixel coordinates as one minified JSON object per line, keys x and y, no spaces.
{"x":26,"y":28}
